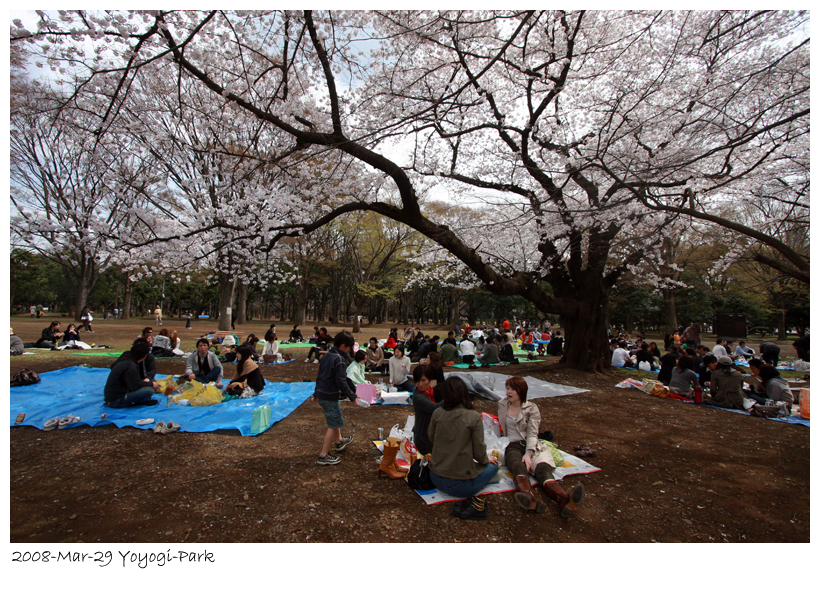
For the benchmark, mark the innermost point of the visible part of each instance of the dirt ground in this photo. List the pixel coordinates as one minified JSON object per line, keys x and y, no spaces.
{"x":670,"y":471}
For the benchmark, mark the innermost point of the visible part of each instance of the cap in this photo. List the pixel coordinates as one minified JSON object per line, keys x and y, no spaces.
{"x":725,"y":361}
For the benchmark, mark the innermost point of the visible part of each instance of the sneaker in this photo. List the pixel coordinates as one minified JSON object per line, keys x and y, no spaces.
{"x":307,"y":359}
{"x":316,"y":361}
{"x":328,"y":459}
{"x":343,"y":443}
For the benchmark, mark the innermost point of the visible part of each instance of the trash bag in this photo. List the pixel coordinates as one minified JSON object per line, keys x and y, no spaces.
{"x":207,"y":396}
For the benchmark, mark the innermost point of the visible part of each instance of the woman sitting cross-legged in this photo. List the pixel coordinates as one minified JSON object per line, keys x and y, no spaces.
{"x":399,"y":367}
{"x":249,"y":380}
{"x":519,"y":420}
{"x":162,"y":346}
{"x":776,"y":398}
{"x":323,"y":341}
{"x":459,"y":464}
{"x":684,"y":375}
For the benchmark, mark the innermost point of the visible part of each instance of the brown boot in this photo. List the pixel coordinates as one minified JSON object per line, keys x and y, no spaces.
{"x":566,"y":502}
{"x":388,"y":464}
{"x":525,"y":496}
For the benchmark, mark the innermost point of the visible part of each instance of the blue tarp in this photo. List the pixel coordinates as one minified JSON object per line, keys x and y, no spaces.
{"x":79,"y":391}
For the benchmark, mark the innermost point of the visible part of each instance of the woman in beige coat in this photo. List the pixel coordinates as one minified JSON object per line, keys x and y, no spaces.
{"x":519,"y":420}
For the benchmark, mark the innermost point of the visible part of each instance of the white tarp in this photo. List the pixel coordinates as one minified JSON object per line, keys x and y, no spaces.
{"x":492,"y":386}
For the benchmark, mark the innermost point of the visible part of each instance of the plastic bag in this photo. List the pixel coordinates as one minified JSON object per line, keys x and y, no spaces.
{"x":408,"y":450}
{"x":645,"y":365}
{"x":169,"y":381}
{"x":491,"y":422}
{"x":395,"y":432}
{"x":206,"y":396}
{"x":408,"y":427}
{"x":261,"y":420}
{"x":627,"y":383}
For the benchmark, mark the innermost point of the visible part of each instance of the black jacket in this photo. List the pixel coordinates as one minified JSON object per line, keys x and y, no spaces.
{"x":331,"y":382}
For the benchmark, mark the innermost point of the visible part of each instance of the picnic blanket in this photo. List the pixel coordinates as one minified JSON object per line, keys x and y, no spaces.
{"x":286,"y":344}
{"x":572,"y":466}
{"x":632,"y":368}
{"x":464,"y":365}
{"x":793,"y":419}
{"x":493,"y":386}
{"x":79,"y":391}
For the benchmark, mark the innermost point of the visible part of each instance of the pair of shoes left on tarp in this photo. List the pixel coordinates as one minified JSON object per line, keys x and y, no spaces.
{"x":58,"y":423}
{"x":163,"y":428}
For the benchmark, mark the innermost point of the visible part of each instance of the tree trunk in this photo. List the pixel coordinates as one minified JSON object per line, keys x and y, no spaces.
{"x":80,"y":297}
{"x":585,"y":343}
{"x":241,"y":302}
{"x":300,"y":304}
{"x":357,"y":324}
{"x":126,"y":298}
{"x":227,"y":286}
{"x":669,"y":311}
{"x":781,"y":325}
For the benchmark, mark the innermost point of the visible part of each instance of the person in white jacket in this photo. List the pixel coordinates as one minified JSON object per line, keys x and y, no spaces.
{"x":399,"y":367}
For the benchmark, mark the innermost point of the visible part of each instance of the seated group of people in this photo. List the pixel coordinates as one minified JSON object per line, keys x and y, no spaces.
{"x":682,"y":370}
{"x":450,"y":433}
{"x":131,"y":380}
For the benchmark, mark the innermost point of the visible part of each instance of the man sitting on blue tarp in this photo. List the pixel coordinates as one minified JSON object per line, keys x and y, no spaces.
{"x":125,"y":387}
{"x":203,"y":365}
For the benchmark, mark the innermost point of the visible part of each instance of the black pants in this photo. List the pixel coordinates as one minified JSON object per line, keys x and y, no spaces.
{"x":512,"y":458}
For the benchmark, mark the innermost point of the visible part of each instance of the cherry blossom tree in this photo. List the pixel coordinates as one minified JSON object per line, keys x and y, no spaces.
{"x":71,"y":194}
{"x":588,"y":128}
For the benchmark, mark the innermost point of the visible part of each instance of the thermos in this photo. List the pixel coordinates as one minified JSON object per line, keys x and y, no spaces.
{"x":698,"y":395}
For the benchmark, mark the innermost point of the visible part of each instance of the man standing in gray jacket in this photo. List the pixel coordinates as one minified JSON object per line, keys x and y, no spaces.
{"x":203,"y":365}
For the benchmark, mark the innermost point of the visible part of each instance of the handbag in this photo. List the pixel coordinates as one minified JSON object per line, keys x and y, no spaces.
{"x":419,"y":476}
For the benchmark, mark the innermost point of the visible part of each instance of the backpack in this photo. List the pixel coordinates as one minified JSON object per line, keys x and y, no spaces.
{"x":25,"y":377}
{"x":419,"y":476}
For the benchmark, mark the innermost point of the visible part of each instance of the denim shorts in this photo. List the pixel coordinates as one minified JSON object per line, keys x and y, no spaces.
{"x":333,"y":413}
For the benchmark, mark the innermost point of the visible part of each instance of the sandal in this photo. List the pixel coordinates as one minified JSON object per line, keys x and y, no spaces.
{"x":144,"y":421}
{"x":51,"y":424}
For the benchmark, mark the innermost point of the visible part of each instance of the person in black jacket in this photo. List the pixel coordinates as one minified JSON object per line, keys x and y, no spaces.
{"x":506,"y":353}
{"x":248,"y":374}
{"x":556,"y":345}
{"x":125,"y":387}
{"x":49,"y":336}
{"x":801,"y":346}
{"x":424,"y":404}
{"x":668,"y":362}
{"x":331,"y":385}
{"x":770,"y":352}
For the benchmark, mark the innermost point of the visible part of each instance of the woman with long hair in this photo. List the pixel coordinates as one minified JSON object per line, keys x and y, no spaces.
{"x":519,"y":420}
{"x":249,"y":380}
{"x":459,"y":463}
{"x":176,"y":342}
{"x":162,"y":347}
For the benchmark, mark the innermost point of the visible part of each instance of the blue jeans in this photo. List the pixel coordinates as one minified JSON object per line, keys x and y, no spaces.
{"x":141,"y":397}
{"x":211,"y":375}
{"x":464,"y":488}
{"x":407,"y":386}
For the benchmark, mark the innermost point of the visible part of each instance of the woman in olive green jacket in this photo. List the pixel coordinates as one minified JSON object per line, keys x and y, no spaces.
{"x":459,"y":464}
